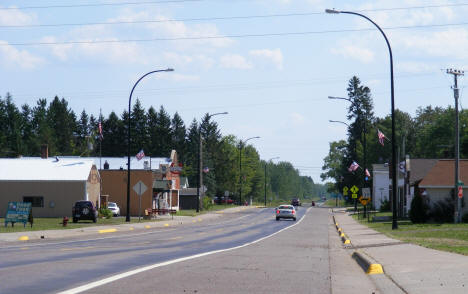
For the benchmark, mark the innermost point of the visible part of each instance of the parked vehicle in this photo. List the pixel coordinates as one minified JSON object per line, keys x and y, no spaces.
{"x":112,"y":206}
{"x":223,"y":200}
{"x":296,"y":202}
{"x":285,"y":211}
{"x":84,"y":210}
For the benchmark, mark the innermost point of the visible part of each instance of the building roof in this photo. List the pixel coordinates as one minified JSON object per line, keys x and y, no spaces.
{"x":51,"y":169}
{"x":442,"y":174}
{"x":420,"y":167}
{"x":121,"y":162}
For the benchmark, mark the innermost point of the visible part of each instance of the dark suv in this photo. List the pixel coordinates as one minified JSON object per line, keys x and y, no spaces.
{"x":296,"y":202}
{"x":84,"y":210}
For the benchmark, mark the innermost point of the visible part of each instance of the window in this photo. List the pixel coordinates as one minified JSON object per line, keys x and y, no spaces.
{"x":36,"y":201}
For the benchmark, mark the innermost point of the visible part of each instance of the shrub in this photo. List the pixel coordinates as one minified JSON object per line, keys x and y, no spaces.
{"x":104,"y":212}
{"x":207,"y":204}
{"x":465,"y":218}
{"x":419,"y":208}
{"x":443,"y":211}
{"x":384,"y":205}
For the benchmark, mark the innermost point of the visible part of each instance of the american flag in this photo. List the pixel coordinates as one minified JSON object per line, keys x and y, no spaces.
{"x":206,"y":170}
{"x":381,"y":137}
{"x":140,"y":154}
{"x":367,"y":173}
{"x":100,"y":130}
{"x":353,"y":167}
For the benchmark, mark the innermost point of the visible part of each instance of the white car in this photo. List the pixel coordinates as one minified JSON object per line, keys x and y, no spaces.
{"x":112,"y":206}
{"x":285,"y":211}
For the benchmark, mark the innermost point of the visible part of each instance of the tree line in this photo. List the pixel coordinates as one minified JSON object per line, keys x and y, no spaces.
{"x":23,"y":130}
{"x":430,"y":133}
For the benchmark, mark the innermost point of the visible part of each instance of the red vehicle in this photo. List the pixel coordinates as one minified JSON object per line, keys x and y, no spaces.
{"x":223,"y":200}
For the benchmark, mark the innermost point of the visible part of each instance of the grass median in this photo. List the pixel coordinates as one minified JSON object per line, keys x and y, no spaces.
{"x":446,"y":237}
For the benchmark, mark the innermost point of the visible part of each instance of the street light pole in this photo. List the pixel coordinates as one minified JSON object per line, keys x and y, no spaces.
{"x":266,"y":175}
{"x":200,"y":161}
{"x":127,"y":218}
{"x":240,"y":166}
{"x":394,"y":159}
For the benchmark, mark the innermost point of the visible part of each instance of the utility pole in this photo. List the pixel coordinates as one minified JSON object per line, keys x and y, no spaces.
{"x":456,"y":73}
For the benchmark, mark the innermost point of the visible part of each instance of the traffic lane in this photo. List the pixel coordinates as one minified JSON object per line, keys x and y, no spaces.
{"x":88,"y":261}
{"x":295,"y":260}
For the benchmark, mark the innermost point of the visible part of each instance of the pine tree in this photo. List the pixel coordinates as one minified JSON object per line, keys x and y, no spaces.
{"x":62,"y":122}
{"x":179,"y":136}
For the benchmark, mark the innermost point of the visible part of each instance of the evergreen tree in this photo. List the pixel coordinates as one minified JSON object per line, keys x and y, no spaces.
{"x":138,"y":122}
{"x":179,"y":136}
{"x":114,"y":141}
{"x":62,"y":122}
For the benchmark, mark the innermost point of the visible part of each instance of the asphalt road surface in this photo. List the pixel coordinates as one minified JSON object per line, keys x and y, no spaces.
{"x":244,"y":252}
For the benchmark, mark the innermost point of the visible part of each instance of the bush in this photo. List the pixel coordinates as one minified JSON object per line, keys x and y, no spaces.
{"x":384,"y":205}
{"x":207,"y":203}
{"x":465,"y":218}
{"x":443,"y":211}
{"x":419,"y":209}
{"x":104,"y":212}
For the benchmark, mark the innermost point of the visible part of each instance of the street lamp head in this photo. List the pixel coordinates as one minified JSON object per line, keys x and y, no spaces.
{"x":169,"y":69}
{"x":332,"y":11}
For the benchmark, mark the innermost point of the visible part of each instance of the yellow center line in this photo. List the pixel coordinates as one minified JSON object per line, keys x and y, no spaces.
{"x":176,"y":238}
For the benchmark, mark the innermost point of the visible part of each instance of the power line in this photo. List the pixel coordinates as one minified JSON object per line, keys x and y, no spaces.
{"x":223,"y":37}
{"x":181,"y":1}
{"x":97,"y":4}
{"x":241,"y":17}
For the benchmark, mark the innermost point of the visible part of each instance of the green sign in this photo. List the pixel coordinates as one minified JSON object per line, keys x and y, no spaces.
{"x":18,"y":212}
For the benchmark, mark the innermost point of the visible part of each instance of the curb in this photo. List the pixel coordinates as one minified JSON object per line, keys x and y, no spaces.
{"x":370,"y":266}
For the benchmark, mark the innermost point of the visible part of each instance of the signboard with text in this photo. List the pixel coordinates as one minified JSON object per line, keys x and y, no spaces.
{"x":18,"y":212}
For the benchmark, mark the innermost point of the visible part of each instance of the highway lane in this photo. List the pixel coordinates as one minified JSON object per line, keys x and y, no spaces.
{"x":52,"y":266}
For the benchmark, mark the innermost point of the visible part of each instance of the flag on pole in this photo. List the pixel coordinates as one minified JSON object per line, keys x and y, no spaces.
{"x":353,"y":167}
{"x":206,"y":170}
{"x":140,"y":154}
{"x":381,"y":137}
{"x":100,"y":130}
{"x":367,"y":173}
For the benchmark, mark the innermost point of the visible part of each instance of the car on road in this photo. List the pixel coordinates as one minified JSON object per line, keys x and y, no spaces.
{"x":296,"y":202}
{"x":285,"y":211}
{"x":112,"y":206}
{"x":84,"y":210}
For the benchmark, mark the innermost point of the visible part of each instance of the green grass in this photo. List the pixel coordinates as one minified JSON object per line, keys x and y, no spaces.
{"x":56,"y":224}
{"x":332,"y":203}
{"x":446,"y":237}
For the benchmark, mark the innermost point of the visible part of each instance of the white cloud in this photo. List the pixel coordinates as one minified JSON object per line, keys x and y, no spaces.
{"x":350,"y":51}
{"x":235,"y":61}
{"x":413,"y":67}
{"x":275,"y":56}
{"x":297,"y":119}
{"x":14,"y":17}
{"x":12,"y":57}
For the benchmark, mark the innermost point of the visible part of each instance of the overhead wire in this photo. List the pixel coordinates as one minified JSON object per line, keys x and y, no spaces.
{"x":233,"y":36}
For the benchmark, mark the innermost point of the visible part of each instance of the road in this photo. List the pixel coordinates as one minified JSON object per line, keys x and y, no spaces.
{"x":285,"y":257}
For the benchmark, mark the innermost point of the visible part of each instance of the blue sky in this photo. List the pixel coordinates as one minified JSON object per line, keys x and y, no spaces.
{"x":273,"y":86}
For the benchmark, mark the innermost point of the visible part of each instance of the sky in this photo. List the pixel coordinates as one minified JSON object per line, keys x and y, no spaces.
{"x":270,"y":63}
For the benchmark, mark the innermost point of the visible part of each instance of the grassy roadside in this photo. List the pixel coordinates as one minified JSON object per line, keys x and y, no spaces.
{"x":41,"y":224}
{"x":332,"y":203}
{"x":446,"y":237}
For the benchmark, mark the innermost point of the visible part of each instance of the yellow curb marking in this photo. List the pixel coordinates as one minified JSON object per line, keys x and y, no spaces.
{"x":347,"y":241}
{"x":147,"y":227}
{"x":339,"y":229}
{"x":131,"y":229}
{"x":23,"y":238}
{"x":342,"y":235}
{"x":374,"y":269}
{"x":107,"y":231}
{"x":194,"y":221}
{"x":220,"y":211}
{"x":166,"y":225}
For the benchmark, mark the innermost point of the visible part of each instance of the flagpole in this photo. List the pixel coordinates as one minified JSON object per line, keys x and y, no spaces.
{"x":100,"y":138}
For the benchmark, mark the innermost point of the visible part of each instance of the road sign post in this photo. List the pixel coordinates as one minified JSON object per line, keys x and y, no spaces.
{"x":139,"y":188}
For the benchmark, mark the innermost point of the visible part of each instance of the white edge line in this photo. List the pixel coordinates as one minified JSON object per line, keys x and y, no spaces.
{"x":153,"y":266}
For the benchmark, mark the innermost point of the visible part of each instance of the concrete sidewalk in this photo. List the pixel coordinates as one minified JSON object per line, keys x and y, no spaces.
{"x":407,"y":268}
{"x":133,"y":227}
